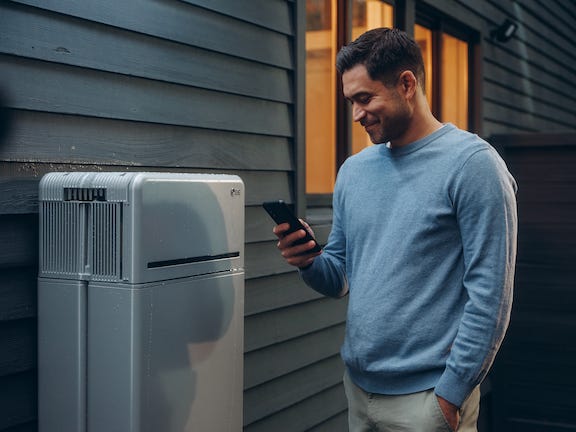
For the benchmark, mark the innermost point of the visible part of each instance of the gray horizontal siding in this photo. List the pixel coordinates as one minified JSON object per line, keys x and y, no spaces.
{"x":339,"y":421}
{"x":210,"y":86}
{"x":535,"y":87}
{"x":281,"y":325}
{"x":272,"y":14}
{"x":19,"y":240}
{"x":18,"y":196}
{"x":285,"y":391}
{"x":181,"y":86}
{"x":279,"y":291}
{"x":187,"y":24}
{"x":50,"y":37}
{"x":18,"y":402}
{"x":265,"y":364}
{"x":530,"y":81}
{"x":18,"y":346}
{"x":17,"y":293}
{"x":67,"y":90}
{"x":260,"y":186}
{"x":60,"y":138}
{"x":323,"y":412}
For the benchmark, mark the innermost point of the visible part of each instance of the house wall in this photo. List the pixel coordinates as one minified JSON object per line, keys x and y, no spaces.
{"x":528,"y":83}
{"x":216,"y":86}
{"x":183,"y":86}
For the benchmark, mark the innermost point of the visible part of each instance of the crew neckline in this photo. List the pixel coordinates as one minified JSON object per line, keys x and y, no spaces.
{"x":418,"y":144}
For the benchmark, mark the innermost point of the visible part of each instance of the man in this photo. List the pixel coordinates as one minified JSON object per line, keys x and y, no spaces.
{"x":423,"y":241}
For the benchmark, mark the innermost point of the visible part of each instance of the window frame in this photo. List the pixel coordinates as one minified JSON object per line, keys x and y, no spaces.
{"x":407,"y":13}
{"x":343,"y":135}
{"x":440,"y":23}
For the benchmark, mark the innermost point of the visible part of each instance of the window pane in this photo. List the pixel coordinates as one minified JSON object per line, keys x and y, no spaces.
{"x":369,"y":14}
{"x":366,"y":15}
{"x":320,"y":96}
{"x":423,"y":37}
{"x":454,"y":98}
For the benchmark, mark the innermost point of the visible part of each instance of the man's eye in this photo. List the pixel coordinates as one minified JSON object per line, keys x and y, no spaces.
{"x":364,"y":100}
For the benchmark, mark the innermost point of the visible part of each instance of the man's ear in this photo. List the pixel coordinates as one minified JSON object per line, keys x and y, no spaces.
{"x":408,"y":83}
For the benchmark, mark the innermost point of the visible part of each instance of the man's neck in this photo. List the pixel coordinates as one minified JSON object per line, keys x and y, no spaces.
{"x":421,"y":127}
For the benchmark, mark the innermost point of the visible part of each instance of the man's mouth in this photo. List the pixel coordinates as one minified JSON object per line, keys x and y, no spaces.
{"x":368,"y":125}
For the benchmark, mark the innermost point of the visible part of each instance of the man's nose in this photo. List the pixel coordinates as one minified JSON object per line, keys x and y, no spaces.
{"x":357,"y":113}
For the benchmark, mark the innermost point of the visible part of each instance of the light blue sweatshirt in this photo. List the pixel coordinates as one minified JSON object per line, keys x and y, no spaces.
{"x":424,"y":236}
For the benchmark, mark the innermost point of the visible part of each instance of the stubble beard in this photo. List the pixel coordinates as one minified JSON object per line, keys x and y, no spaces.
{"x":391,"y":129}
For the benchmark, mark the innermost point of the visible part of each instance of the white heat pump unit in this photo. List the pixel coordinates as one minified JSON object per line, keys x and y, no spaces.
{"x":140,"y":302}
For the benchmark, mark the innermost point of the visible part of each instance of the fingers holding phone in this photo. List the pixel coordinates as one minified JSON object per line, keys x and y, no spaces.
{"x":296,"y":239}
{"x":295,"y":252}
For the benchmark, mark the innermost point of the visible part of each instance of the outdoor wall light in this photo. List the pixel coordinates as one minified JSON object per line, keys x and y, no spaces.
{"x":505,"y":31}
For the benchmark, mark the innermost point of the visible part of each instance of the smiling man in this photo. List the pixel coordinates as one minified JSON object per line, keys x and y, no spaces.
{"x":423,"y":241}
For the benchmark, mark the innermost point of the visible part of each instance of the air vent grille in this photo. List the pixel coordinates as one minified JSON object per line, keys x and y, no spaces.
{"x":106,"y":244}
{"x":81,"y":239}
{"x":62,"y":226}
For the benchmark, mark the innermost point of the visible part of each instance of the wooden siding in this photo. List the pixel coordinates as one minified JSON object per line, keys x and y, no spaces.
{"x":527,"y":84}
{"x":217,"y":86}
{"x":183,"y":86}
{"x":533,"y":379}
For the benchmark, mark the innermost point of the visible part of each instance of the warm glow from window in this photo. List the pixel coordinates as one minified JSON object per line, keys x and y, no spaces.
{"x":423,"y":37}
{"x":321,"y":84}
{"x":446,"y":60}
{"x":454,"y":98}
{"x":367,"y":15}
{"x":320,"y":96}
{"x":453,"y":80}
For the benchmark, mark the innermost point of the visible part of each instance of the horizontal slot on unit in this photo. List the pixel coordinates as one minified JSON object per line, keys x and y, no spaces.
{"x":180,"y":261}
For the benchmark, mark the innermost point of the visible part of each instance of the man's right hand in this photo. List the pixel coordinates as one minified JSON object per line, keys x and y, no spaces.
{"x":295,"y":254}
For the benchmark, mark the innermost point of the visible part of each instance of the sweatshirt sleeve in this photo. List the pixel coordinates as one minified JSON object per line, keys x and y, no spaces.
{"x":327,"y":274}
{"x":483,"y":196}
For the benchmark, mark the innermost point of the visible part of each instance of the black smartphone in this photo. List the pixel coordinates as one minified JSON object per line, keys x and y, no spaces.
{"x":281,"y":213}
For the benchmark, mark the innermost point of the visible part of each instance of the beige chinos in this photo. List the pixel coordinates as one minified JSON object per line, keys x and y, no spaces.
{"x":416,"y":412}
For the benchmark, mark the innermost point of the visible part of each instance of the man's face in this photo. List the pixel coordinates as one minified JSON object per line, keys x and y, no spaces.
{"x":381,"y":110}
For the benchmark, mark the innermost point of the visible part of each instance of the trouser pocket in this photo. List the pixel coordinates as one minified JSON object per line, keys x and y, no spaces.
{"x":438,"y":422}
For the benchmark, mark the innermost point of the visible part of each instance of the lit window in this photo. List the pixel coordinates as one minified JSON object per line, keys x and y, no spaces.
{"x":454,"y":87}
{"x":367,"y":15}
{"x":320,"y":96}
{"x":423,"y":37}
{"x":447,"y":74}
{"x":331,"y":134}
{"x":322,"y":33}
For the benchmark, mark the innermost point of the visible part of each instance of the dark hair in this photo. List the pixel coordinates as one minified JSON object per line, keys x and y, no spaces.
{"x":385,"y":52}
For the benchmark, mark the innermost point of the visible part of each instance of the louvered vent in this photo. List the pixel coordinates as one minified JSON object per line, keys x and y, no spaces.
{"x":107,"y":241}
{"x":62,"y":228}
{"x":81,"y":238}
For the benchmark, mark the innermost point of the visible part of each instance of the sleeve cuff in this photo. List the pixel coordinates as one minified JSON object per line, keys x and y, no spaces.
{"x":453,"y":388}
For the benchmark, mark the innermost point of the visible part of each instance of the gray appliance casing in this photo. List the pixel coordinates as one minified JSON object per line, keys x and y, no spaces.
{"x":141,"y":302}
